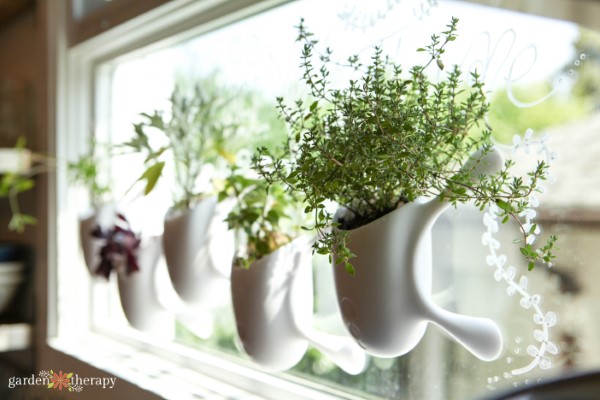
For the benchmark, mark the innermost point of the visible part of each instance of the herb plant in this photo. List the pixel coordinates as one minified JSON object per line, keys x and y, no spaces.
{"x":13,"y":183}
{"x":261,"y":217}
{"x":195,"y":133}
{"x":84,"y":171}
{"x":119,"y":251}
{"x":390,"y":137}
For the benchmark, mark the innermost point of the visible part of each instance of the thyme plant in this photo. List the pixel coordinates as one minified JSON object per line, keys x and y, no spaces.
{"x":387,"y":138}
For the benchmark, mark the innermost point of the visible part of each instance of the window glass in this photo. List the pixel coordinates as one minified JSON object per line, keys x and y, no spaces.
{"x":542,"y":76}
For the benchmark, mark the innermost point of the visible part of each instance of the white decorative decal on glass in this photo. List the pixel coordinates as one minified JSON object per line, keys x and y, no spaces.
{"x":529,"y":301}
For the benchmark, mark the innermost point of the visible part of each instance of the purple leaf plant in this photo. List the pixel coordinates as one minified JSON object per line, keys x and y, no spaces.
{"x":120,"y":248}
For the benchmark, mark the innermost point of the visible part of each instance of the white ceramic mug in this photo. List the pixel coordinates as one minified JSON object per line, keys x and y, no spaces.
{"x":273,"y":306}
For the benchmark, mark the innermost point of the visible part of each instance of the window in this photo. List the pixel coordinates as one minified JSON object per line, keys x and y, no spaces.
{"x":249,"y":51}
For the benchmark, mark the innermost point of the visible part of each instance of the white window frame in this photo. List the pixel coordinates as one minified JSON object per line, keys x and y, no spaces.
{"x":141,"y":364}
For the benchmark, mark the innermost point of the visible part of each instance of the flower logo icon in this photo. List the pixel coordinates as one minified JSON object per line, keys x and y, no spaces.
{"x":60,"y":380}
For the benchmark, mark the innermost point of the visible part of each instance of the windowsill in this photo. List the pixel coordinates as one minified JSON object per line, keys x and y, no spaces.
{"x":152,"y":373}
{"x":175,"y":371}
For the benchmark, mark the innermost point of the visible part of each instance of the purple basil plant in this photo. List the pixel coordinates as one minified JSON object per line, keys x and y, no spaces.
{"x":119,"y":250}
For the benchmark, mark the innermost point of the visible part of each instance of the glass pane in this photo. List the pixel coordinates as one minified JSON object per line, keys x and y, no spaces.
{"x":541,"y":77}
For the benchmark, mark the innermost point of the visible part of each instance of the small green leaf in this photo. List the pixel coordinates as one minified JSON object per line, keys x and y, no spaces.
{"x":272,"y":216}
{"x":349,"y":268}
{"x":151,"y":175}
{"x":24,"y":185}
{"x":532,"y":229}
{"x":504,"y":206}
{"x":440,"y":64}
{"x":18,"y":222}
{"x":460,"y":191}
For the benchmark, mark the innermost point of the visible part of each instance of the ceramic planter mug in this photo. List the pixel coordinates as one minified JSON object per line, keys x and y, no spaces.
{"x":138,"y":292}
{"x":14,"y":160}
{"x":387,"y":305}
{"x":198,"y":250}
{"x":273,"y":307}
